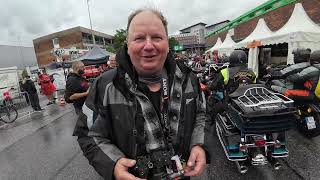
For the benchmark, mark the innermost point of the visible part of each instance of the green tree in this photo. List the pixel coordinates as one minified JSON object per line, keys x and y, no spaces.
{"x":110,"y":48}
{"x":119,"y":39}
{"x":173,"y":42}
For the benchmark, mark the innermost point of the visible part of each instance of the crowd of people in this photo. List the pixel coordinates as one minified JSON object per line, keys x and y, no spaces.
{"x":143,"y":107}
{"x":147,"y":106}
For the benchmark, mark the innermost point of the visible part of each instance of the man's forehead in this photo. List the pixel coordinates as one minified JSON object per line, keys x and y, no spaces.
{"x":145,"y":18}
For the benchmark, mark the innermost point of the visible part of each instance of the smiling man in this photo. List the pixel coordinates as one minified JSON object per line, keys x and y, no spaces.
{"x":150,"y":109}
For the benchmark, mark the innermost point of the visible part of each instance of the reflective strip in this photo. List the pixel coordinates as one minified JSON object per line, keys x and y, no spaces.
{"x":175,"y":103}
{"x":109,"y":149}
{"x":189,"y":87}
{"x":225,"y":74}
{"x":89,"y":113}
{"x":317,"y":91}
{"x":294,"y":67}
{"x":307,"y":71}
{"x":114,"y":96}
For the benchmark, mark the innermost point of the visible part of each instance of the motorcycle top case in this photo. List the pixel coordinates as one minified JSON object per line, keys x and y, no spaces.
{"x":274,"y":117}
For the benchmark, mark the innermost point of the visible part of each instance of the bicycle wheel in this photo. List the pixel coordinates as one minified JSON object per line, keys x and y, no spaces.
{"x":8,"y":114}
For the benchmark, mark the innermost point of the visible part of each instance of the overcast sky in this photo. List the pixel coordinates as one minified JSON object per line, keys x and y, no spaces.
{"x":24,"y":20}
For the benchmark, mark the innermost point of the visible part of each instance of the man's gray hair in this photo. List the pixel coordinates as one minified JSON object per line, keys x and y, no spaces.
{"x":154,"y":11}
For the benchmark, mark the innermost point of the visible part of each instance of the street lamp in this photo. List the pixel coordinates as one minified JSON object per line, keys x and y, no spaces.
{"x":94,"y":42}
{"x":21,"y":53}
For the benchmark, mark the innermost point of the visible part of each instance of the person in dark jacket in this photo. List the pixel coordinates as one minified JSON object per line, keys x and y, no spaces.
{"x":76,"y":87}
{"x":29,"y":87}
{"x":228,"y":80}
{"x":147,"y":103}
{"x":301,"y":79}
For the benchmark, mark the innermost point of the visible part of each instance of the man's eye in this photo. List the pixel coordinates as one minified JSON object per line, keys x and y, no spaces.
{"x":138,"y":38}
{"x":157,"y":38}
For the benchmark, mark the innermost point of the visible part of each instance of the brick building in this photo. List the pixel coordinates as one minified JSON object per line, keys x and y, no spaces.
{"x":78,"y":37}
{"x":275,"y":12}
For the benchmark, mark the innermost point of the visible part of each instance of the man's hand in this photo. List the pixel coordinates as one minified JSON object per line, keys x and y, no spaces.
{"x":87,"y":92}
{"x":121,"y":169}
{"x":196,"y":162}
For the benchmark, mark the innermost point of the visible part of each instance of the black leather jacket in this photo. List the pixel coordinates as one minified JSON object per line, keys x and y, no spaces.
{"x":112,"y":111}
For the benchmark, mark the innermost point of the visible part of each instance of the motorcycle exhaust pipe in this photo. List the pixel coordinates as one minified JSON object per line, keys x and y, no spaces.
{"x":276,"y":164}
{"x":242,"y":168}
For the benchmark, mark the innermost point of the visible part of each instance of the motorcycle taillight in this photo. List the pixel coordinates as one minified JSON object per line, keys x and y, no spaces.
{"x":260,"y":142}
{"x":243,"y":148}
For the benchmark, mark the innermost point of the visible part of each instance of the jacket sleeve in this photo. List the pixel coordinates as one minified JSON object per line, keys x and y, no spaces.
{"x":304,"y":75}
{"x":292,"y":69}
{"x":198,"y":134}
{"x":94,"y":132}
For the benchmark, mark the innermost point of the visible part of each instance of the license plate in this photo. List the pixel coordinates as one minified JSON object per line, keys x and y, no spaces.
{"x":311,"y":124}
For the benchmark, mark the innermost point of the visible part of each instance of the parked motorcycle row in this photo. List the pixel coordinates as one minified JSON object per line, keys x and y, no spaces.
{"x":252,"y":115}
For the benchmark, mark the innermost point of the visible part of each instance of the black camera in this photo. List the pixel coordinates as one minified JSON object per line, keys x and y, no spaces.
{"x":158,"y":165}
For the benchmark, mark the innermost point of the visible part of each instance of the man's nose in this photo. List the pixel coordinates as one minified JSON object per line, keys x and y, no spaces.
{"x":148,"y":45}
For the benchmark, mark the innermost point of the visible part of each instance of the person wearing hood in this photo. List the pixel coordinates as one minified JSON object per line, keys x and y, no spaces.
{"x":32,"y":94}
{"x":47,"y":87}
{"x":77,"y":87}
{"x":149,"y":103}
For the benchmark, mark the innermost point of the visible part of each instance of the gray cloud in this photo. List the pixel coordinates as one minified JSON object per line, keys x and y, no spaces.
{"x":27,"y":20}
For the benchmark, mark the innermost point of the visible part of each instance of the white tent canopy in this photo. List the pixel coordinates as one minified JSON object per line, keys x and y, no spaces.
{"x":261,"y":32}
{"x":299,"y":32}
{"x":218,"y":43}
{"x":227,"y":46}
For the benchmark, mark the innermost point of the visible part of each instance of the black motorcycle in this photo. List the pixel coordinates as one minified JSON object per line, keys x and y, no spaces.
{"x":308,"y":111}
{"x":252,"y":127}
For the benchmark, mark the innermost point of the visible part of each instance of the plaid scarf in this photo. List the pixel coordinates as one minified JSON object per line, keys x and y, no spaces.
{"x":155,"y":137}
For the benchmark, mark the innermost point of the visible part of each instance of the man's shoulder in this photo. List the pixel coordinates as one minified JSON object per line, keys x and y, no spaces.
{"x":104,"y":79}
{"x":108,"y":75}
{"x":72,"y":78}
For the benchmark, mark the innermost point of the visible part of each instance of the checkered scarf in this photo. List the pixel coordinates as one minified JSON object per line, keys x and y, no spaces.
{"x":154,"y":134}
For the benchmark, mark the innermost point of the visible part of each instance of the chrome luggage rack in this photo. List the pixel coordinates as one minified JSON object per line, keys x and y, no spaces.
{"x":263,"y":98}
{"x":216,"y":67}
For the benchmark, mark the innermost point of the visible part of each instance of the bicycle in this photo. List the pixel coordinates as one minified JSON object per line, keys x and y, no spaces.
{"x":8,"y":112}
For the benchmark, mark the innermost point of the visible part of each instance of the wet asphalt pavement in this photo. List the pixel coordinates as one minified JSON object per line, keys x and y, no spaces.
{"x":41,"y":147}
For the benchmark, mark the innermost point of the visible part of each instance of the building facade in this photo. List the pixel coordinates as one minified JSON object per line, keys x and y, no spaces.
{"x":214,"y":27}
{"x":275,"y":13}
{"x":192,"y":38}
{"x":78,"y":37}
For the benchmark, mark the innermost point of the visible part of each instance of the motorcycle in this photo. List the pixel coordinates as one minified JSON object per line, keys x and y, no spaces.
{"x":252,"y":128}
{"x":307,"y":115}
{"x":308,"y":121}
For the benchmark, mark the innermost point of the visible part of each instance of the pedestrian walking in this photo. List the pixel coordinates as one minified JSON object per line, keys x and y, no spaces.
{"x":32,"y":94}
